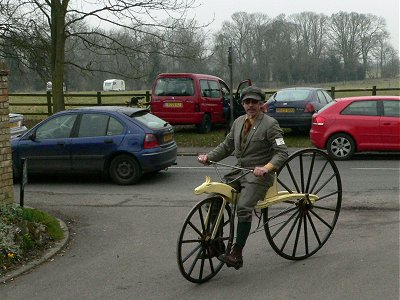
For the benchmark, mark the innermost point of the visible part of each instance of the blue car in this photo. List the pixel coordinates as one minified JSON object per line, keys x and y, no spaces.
{"x":122,"y":142}
{"x":294,"y":107}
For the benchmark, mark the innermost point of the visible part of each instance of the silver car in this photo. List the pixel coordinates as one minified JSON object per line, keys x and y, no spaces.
{"x":17,"y":126}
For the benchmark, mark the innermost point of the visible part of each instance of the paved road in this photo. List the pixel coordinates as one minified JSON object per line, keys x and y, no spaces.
{"x":123,"y":242}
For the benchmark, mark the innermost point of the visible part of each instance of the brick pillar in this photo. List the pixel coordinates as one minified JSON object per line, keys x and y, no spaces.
{"x":6,"y":176}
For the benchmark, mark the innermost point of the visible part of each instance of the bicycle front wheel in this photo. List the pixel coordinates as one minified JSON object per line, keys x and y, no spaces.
{"x":197,"y":250}
{"x":299,"y":227}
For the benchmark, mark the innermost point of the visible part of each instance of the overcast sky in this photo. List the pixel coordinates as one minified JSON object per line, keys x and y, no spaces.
{"x":222,"y":10}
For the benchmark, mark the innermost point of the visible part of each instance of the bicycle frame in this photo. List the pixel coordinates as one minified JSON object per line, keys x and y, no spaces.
{"x":230,"y":195}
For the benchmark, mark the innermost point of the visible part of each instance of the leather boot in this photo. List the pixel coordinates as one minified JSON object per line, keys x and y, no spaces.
{"x":233,"y":259}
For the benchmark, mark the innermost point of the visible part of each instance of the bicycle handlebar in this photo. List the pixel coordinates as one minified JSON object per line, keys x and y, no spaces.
{"x":230,"y":166}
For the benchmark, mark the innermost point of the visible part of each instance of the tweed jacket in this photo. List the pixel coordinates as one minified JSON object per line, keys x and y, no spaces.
{"x":264,"y":144}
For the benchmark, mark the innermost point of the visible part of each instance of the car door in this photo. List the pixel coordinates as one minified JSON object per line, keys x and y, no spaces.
{"x":209,"y":103}
{"x":361,"y":119}
{"x":390,"y":125}
{"x":46,"y":148}
{"x":97,"y":137}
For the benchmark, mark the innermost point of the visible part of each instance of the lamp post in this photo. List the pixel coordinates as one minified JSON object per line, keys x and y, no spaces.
{"x":231,"y":85}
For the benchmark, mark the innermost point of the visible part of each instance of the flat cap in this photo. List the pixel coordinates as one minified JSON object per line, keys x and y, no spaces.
{"x":253,"y":92}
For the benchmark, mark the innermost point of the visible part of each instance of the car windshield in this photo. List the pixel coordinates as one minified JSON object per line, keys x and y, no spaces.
{"x":291,"y":95}
{"x":176,"y":86}
{"x":149,"y":120}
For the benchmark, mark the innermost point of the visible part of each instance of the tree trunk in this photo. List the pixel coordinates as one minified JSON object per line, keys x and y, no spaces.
{"x":58,"y":11}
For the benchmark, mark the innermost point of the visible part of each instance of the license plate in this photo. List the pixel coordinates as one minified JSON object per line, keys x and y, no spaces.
{"x":173,"y":104}
{"x":285,"y":109}
{"x":167,"y":137}
{"x":15,"y":124}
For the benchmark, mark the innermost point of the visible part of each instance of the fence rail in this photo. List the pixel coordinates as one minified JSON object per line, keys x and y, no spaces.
{"x":99,"y":98}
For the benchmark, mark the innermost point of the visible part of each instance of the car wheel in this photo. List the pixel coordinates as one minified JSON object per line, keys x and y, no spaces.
{"x":341,"y":146}
{"x":124,"y":170}
{"x":205,"y":126}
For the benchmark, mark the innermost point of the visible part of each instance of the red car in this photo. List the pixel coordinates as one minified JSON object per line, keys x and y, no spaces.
{"x":188,"y":98}
{"x":357,"y":124}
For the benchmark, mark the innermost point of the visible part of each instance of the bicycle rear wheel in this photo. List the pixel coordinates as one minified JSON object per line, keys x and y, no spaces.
{"x":197,"y":252}
{"x":298,"y":228}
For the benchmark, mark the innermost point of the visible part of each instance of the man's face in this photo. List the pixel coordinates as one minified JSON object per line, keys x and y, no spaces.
{"x":252,"y":107}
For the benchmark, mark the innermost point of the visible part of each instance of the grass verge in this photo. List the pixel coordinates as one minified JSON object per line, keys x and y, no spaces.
{"x":25,"y":234}
{"x":187,"y":136}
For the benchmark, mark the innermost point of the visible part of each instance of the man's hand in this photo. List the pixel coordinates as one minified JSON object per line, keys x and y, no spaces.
{"x":203,"y":158}
{"x":260,"y":171}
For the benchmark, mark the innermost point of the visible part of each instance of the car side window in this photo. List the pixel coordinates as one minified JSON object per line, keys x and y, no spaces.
{"x":205,"y":89}
{"x":224,"y":89}
{"x":327,"y":96}
{"x":361,"y":108}
{"x":215,"y":91}
{"x":114,"y":127}
{"x":93,"y":125}
{"x":321,"y":97}
{"x":56,"y":128}
{"x":391,"y":108}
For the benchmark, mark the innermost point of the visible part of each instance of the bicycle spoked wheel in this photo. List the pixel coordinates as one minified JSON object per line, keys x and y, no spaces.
{"x":196,"y":251}
{"x":298,"y":228}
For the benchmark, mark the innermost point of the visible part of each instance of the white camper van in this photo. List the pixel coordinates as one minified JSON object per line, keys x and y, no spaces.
{"x":114,"y":85}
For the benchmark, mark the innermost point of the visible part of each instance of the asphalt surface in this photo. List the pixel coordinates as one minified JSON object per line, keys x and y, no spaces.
{"x":59,"y":245}
{"x":186,"y":151}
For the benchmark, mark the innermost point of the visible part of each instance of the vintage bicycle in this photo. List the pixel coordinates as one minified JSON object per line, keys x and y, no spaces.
{"x":298,"y":214}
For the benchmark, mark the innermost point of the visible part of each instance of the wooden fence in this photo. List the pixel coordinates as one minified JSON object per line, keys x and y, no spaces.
{"x":101,"y":99}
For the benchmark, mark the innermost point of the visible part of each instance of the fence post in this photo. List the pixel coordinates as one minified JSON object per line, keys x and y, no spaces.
{"x":98,"y":98}
{"x":147,"y":96}
{"x":374,"y":90}
{"x":333,"y":92}
{"x":49,"y":105}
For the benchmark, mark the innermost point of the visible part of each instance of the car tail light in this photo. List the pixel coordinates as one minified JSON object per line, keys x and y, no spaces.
{"x":197,"y":107}
{"x":318,"y":121}
{"x":309,"y":108}
{"x":150,"y":141}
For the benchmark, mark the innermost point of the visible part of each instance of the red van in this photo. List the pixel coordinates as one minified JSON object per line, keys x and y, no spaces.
{"x":187,"y":98}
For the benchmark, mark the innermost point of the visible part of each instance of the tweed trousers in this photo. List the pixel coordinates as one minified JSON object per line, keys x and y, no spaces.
{"x":250,"y":194}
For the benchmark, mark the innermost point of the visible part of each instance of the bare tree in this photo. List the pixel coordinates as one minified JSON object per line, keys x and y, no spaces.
{"x":281,"y":49}
{"x":246,"y":33}
{"x":42,"y":28}
{"x":345,"y":38}
{"x":186,"y":49}
{"x":387,"y":59}
{"x":371,"y":31}
{"x":310,"y":41}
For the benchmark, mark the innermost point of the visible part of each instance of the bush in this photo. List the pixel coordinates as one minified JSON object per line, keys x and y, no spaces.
{"x":23,"y":233}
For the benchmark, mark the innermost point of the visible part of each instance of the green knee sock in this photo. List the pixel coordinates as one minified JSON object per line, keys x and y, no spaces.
{"x":242,"y":232}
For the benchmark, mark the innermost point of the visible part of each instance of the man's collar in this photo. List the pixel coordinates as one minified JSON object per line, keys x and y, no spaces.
{"x":253,"y":118}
